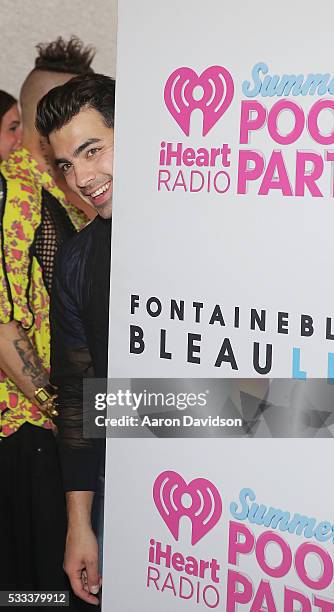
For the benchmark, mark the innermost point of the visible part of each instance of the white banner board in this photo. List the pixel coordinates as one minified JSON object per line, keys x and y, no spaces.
{"x":223,"y":207}
{"x":222,"y":250}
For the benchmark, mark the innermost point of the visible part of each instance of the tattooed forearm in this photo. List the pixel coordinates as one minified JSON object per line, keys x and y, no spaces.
{"x":32,"y":365}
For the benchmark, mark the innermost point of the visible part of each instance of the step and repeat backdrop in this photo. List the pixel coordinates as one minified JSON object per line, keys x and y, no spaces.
{"x":222,"y":256}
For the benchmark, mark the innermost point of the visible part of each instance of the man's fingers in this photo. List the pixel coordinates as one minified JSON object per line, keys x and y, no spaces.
{"x":85,"y":580}
{"x":77,"y":585}
{"x":81,"y":563}
{"x":92,"y":570}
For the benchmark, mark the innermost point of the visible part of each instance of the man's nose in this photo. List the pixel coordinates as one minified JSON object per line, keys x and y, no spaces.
{"x":84,"y":174}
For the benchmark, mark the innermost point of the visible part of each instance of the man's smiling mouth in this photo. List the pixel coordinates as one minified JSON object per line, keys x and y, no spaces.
{"x":100,"y":190}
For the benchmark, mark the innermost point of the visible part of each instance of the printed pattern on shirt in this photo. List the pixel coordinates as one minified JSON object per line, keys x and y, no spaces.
{"x":23,"y":293}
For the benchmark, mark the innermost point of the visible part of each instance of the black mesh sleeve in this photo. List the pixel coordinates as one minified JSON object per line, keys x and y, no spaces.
{"x":71,"y":362}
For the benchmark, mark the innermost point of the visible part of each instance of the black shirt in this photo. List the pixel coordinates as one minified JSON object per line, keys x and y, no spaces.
{"x":79,"y":345}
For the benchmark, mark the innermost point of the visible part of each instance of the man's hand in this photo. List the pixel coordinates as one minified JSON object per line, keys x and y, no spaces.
{"x":81,"y":553}
{"x":81,"y":563}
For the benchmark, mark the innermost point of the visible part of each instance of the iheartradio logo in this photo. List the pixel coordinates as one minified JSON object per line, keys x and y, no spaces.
{"x":211,"y":92}
{"x":199,"y":500}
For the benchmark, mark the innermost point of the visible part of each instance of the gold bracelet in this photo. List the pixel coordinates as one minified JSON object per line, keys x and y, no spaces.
{"x":46,"y":398}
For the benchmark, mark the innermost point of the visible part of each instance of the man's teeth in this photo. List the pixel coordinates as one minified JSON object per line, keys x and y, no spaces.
{"x":100,"y":190}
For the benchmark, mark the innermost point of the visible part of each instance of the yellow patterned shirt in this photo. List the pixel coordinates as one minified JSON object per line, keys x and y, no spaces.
{"x":24,"y":296}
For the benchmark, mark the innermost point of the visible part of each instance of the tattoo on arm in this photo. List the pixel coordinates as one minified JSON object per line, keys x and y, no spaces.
{"x":32,"y":365}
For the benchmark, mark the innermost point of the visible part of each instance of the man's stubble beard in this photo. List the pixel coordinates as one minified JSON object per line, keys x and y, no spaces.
{"x":105,"y":210}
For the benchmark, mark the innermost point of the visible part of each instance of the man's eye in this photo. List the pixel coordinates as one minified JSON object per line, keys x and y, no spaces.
{"x":92,"y":152}
{"x":65,"y":168}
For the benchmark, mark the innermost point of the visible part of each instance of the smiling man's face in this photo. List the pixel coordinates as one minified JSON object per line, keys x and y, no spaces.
{"x":84,"y":152}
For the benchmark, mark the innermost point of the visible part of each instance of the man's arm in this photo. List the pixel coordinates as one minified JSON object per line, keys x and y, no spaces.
{"x":19,"y":359}
{"x":70,"y":363}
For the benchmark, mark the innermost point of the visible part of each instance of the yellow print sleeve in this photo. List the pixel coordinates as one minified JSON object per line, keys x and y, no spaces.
{"x":21,"y":218}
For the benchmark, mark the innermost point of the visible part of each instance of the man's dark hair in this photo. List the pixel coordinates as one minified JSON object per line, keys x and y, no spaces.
{"x":61,"y":104}
{"x":65,"y":56}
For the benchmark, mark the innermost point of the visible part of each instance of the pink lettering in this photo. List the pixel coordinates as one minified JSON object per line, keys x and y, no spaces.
{"x":299,"y":122}
{"x":179,"y":181}
{"x":163,"y":179}
{"x":261,"y":544}
{"x":193,"y":174}
{"x":247,"y":173}
{"x":291,"y":597}
{"x":210,"y":589}
{"x":189,"y":594}
{"x":275,"y":167}
{"x":308,"y":178}
{"x":152,"y":578}
{"x":169,"y":584}
{"x":253,"y":116}
{"x":313,"y":122}
{"x":326,"y":575}
{"x":263,"y":599}
{"x":325,"y":605}
{"x":235,"y":595}
{"x":241,"y":541}
{"x":227,"y":180}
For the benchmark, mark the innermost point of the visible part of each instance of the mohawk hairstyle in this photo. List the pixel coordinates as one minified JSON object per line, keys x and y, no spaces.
{"x":65,"y":56}
{"x":61,"y":104}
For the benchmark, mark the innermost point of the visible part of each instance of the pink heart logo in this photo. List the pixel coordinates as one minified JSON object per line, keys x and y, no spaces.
{"x":212,"y":92}
{"x":202,"y":505}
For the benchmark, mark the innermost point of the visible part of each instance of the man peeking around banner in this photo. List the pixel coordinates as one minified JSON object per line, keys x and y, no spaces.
{"x":78,"y":121}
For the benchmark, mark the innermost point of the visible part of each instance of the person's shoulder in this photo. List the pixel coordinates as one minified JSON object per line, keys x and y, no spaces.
{"x":21,"y":195}
{"x":16,"y":169}
{"x":73,"y":251}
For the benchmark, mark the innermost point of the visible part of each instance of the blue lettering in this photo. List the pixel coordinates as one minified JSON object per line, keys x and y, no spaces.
{"x":302,"y":524}
{"x":330,"y":371}
{"x":323,"y":531}
{"x":246,"y":86}
{"x":288,"y":84}
{"x":331,"y":86}
{"x":269,"y":86}
{"x":243,"y":513}
{"x":296,"y":371}
{"x":257,"y":513}
{"x":315,"y":82}
{"x":275,"y":518}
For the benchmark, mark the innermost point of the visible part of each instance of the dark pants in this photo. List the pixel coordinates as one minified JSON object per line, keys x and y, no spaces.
{"x":32,"y":513}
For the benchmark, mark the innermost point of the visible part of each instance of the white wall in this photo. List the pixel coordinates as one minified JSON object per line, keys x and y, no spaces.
{"x":24,"y":23}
